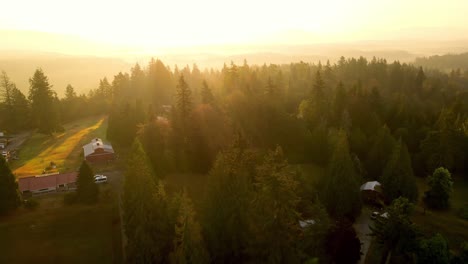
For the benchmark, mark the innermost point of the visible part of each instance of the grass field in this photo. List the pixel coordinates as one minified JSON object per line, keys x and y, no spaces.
{"x":64,"y":149}
{"x":55,"y":233}
{"x":446,"y":222}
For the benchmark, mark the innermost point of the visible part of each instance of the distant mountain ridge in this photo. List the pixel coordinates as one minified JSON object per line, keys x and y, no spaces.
{"x":444,"y":62}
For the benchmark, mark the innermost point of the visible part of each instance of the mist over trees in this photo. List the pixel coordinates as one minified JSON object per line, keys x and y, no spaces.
{"x":246,"y":128}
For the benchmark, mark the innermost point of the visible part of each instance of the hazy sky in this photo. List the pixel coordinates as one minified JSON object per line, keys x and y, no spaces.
{"x":189,"y":22}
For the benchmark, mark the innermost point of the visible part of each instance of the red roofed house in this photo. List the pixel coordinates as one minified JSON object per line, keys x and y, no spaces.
{"x":98,"y":151}
{"x":48,"y":183}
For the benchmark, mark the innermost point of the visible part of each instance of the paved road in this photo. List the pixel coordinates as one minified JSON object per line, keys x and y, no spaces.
{"x":361,"y":225}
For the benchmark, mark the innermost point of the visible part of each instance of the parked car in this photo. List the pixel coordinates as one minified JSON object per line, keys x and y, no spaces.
{"x":100,"y":178}
{"x":374,"y":215}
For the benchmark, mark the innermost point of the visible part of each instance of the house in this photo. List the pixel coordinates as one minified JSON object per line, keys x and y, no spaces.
{"x":46,"y":183}
{"x":98,"y":151}
{"x":372,"y":192}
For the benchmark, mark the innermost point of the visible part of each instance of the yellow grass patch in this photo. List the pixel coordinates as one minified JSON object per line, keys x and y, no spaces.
{"x":64,"y":149}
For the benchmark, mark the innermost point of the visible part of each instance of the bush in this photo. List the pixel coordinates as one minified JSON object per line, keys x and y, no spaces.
{"x":463,"y":212}
{"x":31,"y":204}
{"x":69,"y":198}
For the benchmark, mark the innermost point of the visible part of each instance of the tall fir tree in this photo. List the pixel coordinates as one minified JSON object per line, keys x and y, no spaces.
{"x":379,"y":153}
{"x":189,"y":246}
{"x":45,"y":115}
{"x":225,"y":215}
{"x":341,"y":193}
{"x":87,"y":190}
{"x":206,"y":94}
{"x":9,"y":195}
{"x":148,"y":226}
{"x":275,"y":221}
{"x":398,"y":178}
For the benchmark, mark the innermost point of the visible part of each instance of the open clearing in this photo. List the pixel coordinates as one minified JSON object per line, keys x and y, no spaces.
{"x":57,"y":233}
{"x":64,"y":149}
{"x":446,"y":222}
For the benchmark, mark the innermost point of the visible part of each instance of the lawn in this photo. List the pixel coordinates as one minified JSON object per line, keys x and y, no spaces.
{"x":453,"y":228}
{"x":64,"y":149}
{"x":55,"y":233}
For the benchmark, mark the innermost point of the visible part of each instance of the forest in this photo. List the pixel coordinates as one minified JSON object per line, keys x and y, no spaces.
{"x":244,"y":129}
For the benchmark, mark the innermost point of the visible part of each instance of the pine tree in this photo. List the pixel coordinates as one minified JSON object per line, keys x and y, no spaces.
{"x":87,"y":191}
{"x":206,"y":94}
{"x":148,"y":226}
{"x":395,"y":230}
{"x":6,"y":87}
{"x":9,"y":195}
{"x":379,"y":153}
{"x":225,"y":208}
{"x":44,"y":113}
{"x":188,"y":241}
{"x":341,"y":193}
{"x":183,"y":102}
{"x":275,"y":220}
{"x":398,"y":178}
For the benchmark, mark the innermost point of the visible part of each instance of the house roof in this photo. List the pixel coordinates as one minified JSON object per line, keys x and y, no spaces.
{"x":38,"y":182}
{"x":370,"y":186}
{"x":96,"y":144}
{"x":306,"y":223}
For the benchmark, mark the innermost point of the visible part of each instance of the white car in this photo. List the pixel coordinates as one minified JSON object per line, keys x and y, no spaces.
{"x":100,"y":178}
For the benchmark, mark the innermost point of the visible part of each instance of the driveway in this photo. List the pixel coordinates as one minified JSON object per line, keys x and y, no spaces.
{"x":361,"y":225}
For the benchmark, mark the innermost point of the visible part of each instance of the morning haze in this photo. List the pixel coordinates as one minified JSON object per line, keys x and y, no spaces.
{"x":210,"y":131}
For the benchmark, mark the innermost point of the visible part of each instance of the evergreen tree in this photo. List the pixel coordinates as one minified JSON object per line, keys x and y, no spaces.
{"x":6,"y":87}
{"x":275,"y":221}
{"x":9,"y":195}
{"x":225,"y":208}
{"x":183,"y":102}
{"x":341,"y":193}
{"x":395,"y":230}
{"x":87,"y":190}
{"x":20,"y":110}
{"x":398,"y":178}
{"x":188,"y":242}
{"x":206,"y":94}
{"x":43,"y":110}
{"x":379,"y":153}
{"x":148,"y":225}
{"x":440,"y":183}
{"x":182,"y":125}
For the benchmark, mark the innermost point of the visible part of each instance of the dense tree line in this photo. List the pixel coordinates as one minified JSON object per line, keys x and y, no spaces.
{"x":359,"y":119}
{"x":41,"y":109}
{"x":246,"y":126}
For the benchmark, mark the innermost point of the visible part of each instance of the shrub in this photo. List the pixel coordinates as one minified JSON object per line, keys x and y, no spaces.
{"x":31,"y":204}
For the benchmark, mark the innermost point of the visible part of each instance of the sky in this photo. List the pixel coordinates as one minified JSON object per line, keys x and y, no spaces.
{"x":187,"y":23}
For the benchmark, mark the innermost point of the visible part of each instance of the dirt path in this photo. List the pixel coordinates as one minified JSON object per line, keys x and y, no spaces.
{"x":18,"y":139}
{"x":362,"y":229}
